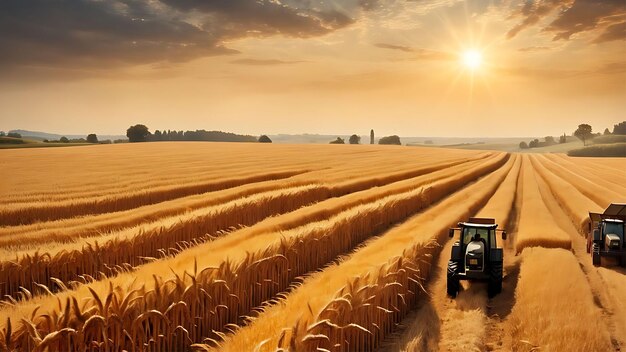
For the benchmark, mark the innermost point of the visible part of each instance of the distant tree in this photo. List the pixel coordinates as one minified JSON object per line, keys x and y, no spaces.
{"x":265,"y":139}
{"x":607,"y":132}
{"x":620,"y":128}
{"x":390,"y":140}
{"x":523,"y":145}
{"x":92,"y":138}
{"x":158,"y":136}
{"x":563,"y":139}
{"x":64,"y":140}
{"x":137,"y":133}
{"x":2,"y":134}
{"x":14,"y":135}
{"x":354,"y":139}
{"x":339,"y":140}
{"x":584,"y":133}
{"x":46,"y":141}
{"x":534,"y":143}
{"x":372,"y":137}
{"x":549,"y":140}
{"x":429,"y":141}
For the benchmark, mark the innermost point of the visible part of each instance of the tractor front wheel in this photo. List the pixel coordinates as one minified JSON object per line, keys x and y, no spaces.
{"x":453,"y":280}
{"x":495,"y":279}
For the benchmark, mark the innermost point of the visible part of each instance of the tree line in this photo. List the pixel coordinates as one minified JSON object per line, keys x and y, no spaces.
{"x":141,"y":133}
{"x":584,"y":132}
{"x":356,"y":139}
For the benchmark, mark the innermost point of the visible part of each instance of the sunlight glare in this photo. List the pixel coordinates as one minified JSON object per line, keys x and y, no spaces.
{"x":472,"y":59}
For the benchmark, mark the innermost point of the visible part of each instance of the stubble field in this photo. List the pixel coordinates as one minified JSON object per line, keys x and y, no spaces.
{"x":249,"y":247}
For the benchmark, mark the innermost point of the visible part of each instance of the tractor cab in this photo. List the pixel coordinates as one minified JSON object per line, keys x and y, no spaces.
{"x":476,"y":256}
{"x":606,"y":236}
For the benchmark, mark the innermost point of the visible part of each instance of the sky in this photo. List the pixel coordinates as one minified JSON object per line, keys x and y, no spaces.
{"x":476,"y":68}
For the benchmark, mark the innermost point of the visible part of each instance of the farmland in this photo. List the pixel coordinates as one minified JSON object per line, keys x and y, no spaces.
{"x":252,"y":247}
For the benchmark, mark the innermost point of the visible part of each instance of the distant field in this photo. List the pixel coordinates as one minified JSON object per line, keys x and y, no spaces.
{"x":260,"y":247}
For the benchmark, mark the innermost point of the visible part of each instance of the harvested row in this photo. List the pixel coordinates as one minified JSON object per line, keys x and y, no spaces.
{"x":608,"y":178}
{"x":218,"y":288}
{"x":554,"y":306}
{"x":601,"y":195}
{"x":536,"y":226}
{"x":575,"y":204}
{"x":354,"y":305}
{"x":70,"y":229}
{"x":29,"y":213}
{"x":68,"y":262}
{"x":464,"y":320}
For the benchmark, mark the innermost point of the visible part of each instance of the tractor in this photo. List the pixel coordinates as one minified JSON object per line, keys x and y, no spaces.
{"x":606,"y":234}
{"x":476,"y":256}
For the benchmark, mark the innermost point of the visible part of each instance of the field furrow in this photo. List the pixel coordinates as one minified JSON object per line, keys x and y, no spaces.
{"x":536,"y":227}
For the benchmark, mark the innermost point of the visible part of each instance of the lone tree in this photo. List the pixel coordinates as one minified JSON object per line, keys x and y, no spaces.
{"x":92,"y":138}
{"x":137,"y":133}
{"x":339,"y":140}
{"x":372,"y":137}
{"x":64,"y":140}
{"x":523,"y":145}
{"x":265,"y":139}
{"x":550,"y":140}
{"x":390,"y":140}
{"x":583,"y":133}
{"x":607,"y":132}
{"x":354,"y":139}
{"x":563,"y":139}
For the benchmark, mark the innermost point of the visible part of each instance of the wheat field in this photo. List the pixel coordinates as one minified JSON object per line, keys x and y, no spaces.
{"x":254,"y":247}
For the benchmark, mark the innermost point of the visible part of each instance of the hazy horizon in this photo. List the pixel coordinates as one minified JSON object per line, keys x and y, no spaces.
{"x":437,"y":68}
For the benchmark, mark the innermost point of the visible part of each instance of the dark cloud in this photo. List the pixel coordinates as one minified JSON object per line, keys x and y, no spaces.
{"x":114,"y":32}
{"x":263,"y":62}
{"x":575,"y":16}
{"x":613,"y":32}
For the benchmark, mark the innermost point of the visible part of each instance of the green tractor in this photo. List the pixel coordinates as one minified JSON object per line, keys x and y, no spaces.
{"x":606,"y":237}
{"x":476,"y":256}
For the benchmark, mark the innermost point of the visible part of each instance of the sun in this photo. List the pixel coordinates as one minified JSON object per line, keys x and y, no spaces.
{"x":472,"y":59}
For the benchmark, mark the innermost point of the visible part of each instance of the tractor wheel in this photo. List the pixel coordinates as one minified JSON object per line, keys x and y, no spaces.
{"x":453,"y":280}
{"x":595,"y":255}
{"x":495,"y":279}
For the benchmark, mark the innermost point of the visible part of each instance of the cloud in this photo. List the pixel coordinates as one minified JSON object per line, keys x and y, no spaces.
{"x":394,"y":47}
{"x":117,"y":32}
{"x":534,"y":48}
{"x":606,"y":17}
{"x":263,"y":62}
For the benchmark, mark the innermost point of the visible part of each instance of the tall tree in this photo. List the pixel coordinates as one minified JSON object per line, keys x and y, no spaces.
{"x":620,"y":128}
{"x":372,"y":137}
{"x":584,"y":133}
{"x":92,"y":138}
{"x":265,"y":139}
{"x":354,"y":139}
{"x":607,"y":132}
{"x":137,"y":133}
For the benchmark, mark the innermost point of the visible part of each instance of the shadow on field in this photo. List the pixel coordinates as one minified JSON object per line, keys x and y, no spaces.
{"x":503,"y":304}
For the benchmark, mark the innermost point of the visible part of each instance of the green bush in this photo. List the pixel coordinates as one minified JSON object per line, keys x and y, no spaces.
{"x":607,"y":150}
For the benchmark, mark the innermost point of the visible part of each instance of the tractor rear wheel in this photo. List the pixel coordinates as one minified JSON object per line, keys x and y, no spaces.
{"x":595,"y":255}
{"x":495,"y":279}
{"x":453,"y":280}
